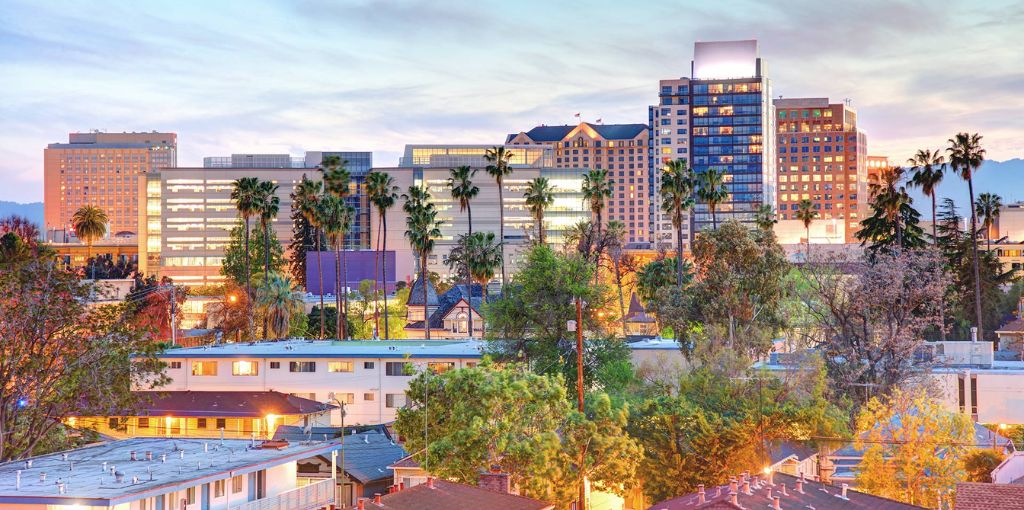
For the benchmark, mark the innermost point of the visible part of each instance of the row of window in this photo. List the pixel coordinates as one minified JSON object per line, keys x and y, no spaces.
{"x":816,"y":148}
{"x":252,"y":368}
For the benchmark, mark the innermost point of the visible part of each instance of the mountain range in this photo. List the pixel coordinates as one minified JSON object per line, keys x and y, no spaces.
{"x":1004,"y":178}
{"x":32,"y":211}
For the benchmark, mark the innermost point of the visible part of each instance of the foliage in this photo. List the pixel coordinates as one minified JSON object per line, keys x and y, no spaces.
{"x":928,"y":169}
{"x":104,"y":268}
{"x":278,"y":301}
{"x":23,"y":227}
{"x":893,"y":223}
{"x":304,"y":232}
{"x":765,"y":217}
{"x":421,"y":230}
{"x":913,"y":448}
{"x":597,"y":188}
{"x":539,"y":196}
{"x":235,"y":257}
{"x":979,"y":464}
{"x":476,"y":256}
{"x":60,"y":356}
{"x":987,"y":207}
{"x":478,"y":417}
{"x":711,"y":189}
{"x":589,"y":241}
{"x":677,"y":187}
{"x":149,"y":305}
{"x":499,"y":166}
{"x":660,"y":273}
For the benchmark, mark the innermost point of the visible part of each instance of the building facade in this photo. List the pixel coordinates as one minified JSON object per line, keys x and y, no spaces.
{"x":821,"y":157}
{"x":874,"y":165}
{"x":619,"y":148}
{"x":102,"y":170}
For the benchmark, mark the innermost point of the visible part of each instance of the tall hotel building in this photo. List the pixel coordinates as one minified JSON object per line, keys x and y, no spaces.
{"x":622,"y":149}
{"x":102,"y":170}
{"x":721,"y":117}
{"x":822,"y":157}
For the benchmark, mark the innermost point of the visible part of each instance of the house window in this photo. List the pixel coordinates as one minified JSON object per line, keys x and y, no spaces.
{"x":369,"y":397}
{"x":346,"y":398}
{"x":175,"y":365}
{"x":974,"y":394}
{"x":302,"y":366}
{"x":143,"y":423}
{"x":236,"y":484}
{"x":368,"y":365}
{"x":961,"y":394}
{"x":218,"y":488}
{"x":395,"y":367}
{"x":440,"y":367}
{"x":204,"y":368}
{"x":245,"y":368}
{"x":190,"y":495}
{"x":275,"y":364}
{"x":340,"y":366}
{"x":201,"y":423}
{"x":393,"y":400}
{"x":222,"y":423}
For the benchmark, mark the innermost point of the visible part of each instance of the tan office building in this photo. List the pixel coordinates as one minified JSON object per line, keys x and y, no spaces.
{"x":102,"y":170}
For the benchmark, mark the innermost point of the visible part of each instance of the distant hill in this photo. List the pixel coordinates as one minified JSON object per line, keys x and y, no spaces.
{"x":32,"y":211}
{"x":1004,"y":178}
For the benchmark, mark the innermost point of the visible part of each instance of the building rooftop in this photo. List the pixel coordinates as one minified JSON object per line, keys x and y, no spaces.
{"x":86,"y":476}
{"x":89,"y":145}
{"x":988,"y":496}
{"x":333,"y":349}
{"x":656,"y":343}
{"x":446,"y":495}
{"x":368,"y":456}
{"x":607,"y":131}
{"x":254,"y":404}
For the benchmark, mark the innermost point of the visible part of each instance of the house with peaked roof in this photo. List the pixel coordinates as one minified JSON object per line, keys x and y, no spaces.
{"x":639,"y":324}
{"x":492,"y":493}
{"x":446,"y":315}
{"x":363,"y":464}
{"x":988,"y":496}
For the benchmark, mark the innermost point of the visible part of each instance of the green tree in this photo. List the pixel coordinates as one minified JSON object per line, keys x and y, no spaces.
{"x":539,"y":196}
{"x":499,"y":166}
{"x":336,"y":217}
{"x":765,"y":218}
{"x":929,"y":168}
{"x":464,"y":191}
{"x":677,"y":187}
{"x":893,"y":224}
{"x":279,"y":302}
{"x":979,"y":465}
{"x":913,"y":448}
{"x":269,"y":206}
{"x":304,"y":235}
{"x":660,"y":273}
{"x":965,"y":158}
{"x":248,"y":197}
{"x":421,"y":231}
{"x":382,"y":193}
{"x":987,"y":207}
{"x":90,"y":224}
{"x":477,"y":257}
{"x":712,"y":190}
{"x":806,"y":213}
{"x":597,"y":188}
{"x":311,"y":193}
{"x":235,"y":255}
{"x":338,"y":184}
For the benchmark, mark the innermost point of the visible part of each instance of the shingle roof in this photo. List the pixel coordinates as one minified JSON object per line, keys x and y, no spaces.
{"x":368,"y":455}
{"x":783,"y":450}
{"x":456,"y":496}
{"x":815,"y":494}
{"x":446,"y":302}
{"x":1014,"y":326}
{"x":988,"y":496}
{"x":636,"y":311}
{"x":255,"y":404}
{"x":549,"y":133}
{"x":298,"y":432}
{"x":416,"y":294}
{"x":607,"y":131}
{"x":619,"y":131}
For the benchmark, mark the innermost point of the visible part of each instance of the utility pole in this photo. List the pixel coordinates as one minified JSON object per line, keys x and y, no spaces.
{"x":578,"y":326}
{"x":174,"y":330}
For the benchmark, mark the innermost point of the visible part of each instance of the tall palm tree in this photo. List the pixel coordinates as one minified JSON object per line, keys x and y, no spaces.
{"x":337,"y":182}
{"x":711,"y":189}
{"x":889,"y":195}
{"x":462,"y":189}
{"x":928,"y":167}
{"x":965,"y":157}
{"x":806,"y":213}
{"x":382,"y":193}
{"x":597,"y":188}
{"x":279,"y":302}
{"x":421,"y":230}
{"x":269,"y":205}
{"x":765,"y":218}
{"x":677,"y":183}
{"x":478,"y":256}
{"x":336,"y":215}
{"x":308,"y":196}
{"x":539,"y":196}
{"x":499,"y":167}
{"x":616,"y":243}
{"x":987,"y":207}
{"x":246,"y":194}
{"x":90,"y":224}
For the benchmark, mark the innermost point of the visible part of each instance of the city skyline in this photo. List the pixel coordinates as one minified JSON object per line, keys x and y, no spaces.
{"x":278,"y":78}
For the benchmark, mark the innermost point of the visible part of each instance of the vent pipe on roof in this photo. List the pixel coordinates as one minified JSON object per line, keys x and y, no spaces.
{"x":845,"y":486}
{"x":149,"y":455}
{"x":119,"y":477}
{"x":104,"y":465}
{"x":746,"y":487}
{"x":42,"y":476}
{"x":362,"y":504}
{"x":133,"y":456}
{"x":17,"y":480}
{"x":163,"y":457}
{"x":376,"y":498}
{"x":63,"y":456}
{"x":776,"y":503}
{"x":206,"y":447}
{"x":701,"y":499}
{"x":28,"y":464}
{"x":734,"y":498}
{"x":782,"y":489}
{"x":800,"y":486}
{"x":135,"y":480}
{"x":60,"y":487}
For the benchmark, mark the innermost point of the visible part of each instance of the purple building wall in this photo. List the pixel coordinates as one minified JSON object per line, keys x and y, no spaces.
{"x":360,"y":267}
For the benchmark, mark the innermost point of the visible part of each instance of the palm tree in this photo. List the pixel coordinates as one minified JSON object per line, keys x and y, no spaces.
{"x":987,"y":207}
{"x":337,"y":182}
{"x":597,"y":188}
{"x":539,"y":196}
{"x":382,"y":193}
{"x":806,"y":213}
{"x":500,"y":167}
{"x":280,"y":302}
{"x":890,"y":196}
{"x":246,"y":194}
{"x":336,"y":216}
{"x":478,"y":256}
{"x":307,"y":200}
{"x":90,"y":224}
{"x":965,"y":157}
{"x":269,"y":205}
{"x":928,"y":167}
{"x":677,"y":185}
{"x":711,"y":189}
{"x":421,"y":230}
{"x":764,"y":217}
{"x":463,"y":190}
{"x":616,"y":242}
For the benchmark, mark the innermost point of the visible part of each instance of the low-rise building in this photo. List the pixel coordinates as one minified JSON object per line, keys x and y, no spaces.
{"x":492,"y":493}
{"x":363,"y":464}
{"x":446,"y":315}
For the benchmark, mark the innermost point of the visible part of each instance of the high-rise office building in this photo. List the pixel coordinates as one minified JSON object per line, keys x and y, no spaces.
{"x":725,"y":105}
{"x":874,"y":165}
{"x":821,"y":157}
{"x":621,"y":149}
{"x":102,"y":170}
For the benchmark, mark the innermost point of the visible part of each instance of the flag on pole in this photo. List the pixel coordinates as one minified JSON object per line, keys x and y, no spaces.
{"x":598,"y":121}
{"x":577,"y":115}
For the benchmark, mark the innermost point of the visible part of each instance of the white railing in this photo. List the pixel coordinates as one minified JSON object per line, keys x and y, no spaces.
{"x":315,"y":495}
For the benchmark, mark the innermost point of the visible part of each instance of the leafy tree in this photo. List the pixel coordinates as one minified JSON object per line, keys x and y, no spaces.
{"x":499,"y":166}
{"x":913,"y":448}
{"x":539,"y":196}
{"x":806,"y":213}
{"x":965,"y":158}
{"x":23,"y":227}
{"x":712,"y":190}
{"x":150,"y":305}
{"x":60,"y":356}
{"x":310,"y":193}
{"x":235,"y":256}
{"x":893,"y":224}
{"x":462,"y":189}
{"x":90,"y":224}
{"x":987,"y":207}
{"x":677,"y":187}
{"x":269,"y":206}
{"x":597,"y":188}
{"x":304,"y":235}
{"x":476,"y":258}
{"x":382,"y":193}
{"x":979,"y":464}
{"x":623,"y":265}
{"x":337,"y":219}
{"x":473,"y":418}
{"x":929,"y":168}
{"x":248,"y":198}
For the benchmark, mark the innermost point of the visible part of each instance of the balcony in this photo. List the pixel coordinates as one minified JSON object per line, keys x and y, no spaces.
{"x":313,"y":496}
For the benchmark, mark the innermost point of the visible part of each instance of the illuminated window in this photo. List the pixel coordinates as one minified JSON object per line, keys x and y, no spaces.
{"x":204,"y":368}
{"x":339,"y":366}
{"x":245,"y":368}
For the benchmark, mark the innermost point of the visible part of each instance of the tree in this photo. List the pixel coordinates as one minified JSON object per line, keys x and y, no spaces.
{"x":539,"y":196}
{"x":929,"y":168}
{"x":660,"y":273}
{"x":677,"y":187}
{"x":806,"y":213}
{"x":913,"y":448}
{"x":597,"y":187}
{"x":61,"y":357}
{"x":338,"y":183}
{"x":586,"y":240}
{"x":893,"y":224}
{"x":462,"y":189}
{"x":90,"y":224}
{"x":499,"y":166}
{"x":336,"y":217}
{"x":382,"y":193}
{"x":234,"y":266}
{"x":421,"y":230}
{"x":476,"y":258}
{"x":311,"y":194}
{"x":23,"y":227}
{"x":473,"y":418}
{"x":765,"y":218}
{"x":987,"y":207}
{"x":279,"y":303}
{"x":965,"y":157}
{"x":712,"y":190}
{"x":150,"y":305}
{"x":979,"y":464}
{"x":621,"y":264}
{"x":870,"y":323}
{"x":304,"y":235}
{"x":248,"y":197}
{"x":269,"y":206}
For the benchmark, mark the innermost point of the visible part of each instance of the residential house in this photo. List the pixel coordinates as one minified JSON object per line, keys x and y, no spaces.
{"x":988,"y":496}
{"x":447,"y":314}
{"x":492,"y":493}
{"x":639,"y":324}
{"x":364,"y":461}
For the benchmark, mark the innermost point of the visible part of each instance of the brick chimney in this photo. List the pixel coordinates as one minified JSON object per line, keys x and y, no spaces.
{"x":495,"y":481}
{"x":361,"y":504}
{"x":734,"y":498}
{"x":776,"y":503}
{"x":700,"y":495}
{"x":376,"y":498}
{"x":430,"y":482}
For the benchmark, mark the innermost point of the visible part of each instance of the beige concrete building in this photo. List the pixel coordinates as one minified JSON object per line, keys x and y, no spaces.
{"x":102,"y":170}
{"x":186,"y":223}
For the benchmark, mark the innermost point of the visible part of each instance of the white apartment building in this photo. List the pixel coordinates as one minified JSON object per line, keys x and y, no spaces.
{"x":370,"y":377}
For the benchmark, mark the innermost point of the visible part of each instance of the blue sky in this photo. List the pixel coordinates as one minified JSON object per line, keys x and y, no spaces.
{"x":263,"y":76}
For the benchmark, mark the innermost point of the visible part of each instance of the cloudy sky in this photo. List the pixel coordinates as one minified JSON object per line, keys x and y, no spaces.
{"x":263,"y":76}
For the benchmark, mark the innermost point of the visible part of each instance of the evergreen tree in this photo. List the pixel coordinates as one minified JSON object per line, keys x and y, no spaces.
{"x":235,"y":260}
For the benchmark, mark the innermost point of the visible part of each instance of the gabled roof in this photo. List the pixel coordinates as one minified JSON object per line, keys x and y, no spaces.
{"x":445,"y":495}
{"x":636,"y":311}
{"x":988,"y":496}
{"x":230,"y":404}
{"x":1014,"y":326}
{"x":447,"y":301}
{"x":548,"y":133}
{"x":783,"y":450}
{"x":369,"y":455}
{"x":416,"y":294}
{"x":619,"y":131}
{"x":559,"y":133}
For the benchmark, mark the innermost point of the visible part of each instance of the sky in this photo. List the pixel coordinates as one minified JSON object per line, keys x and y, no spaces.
{"x":290,"y":76}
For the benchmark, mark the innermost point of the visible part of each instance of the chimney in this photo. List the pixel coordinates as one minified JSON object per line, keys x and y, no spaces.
{"x":700,"y":495}
{"x":734,"y":498}
{"x":132,"y":455}
{"x":782,"y":489}
{"x":771,"y":478}
{"x":149,"y":455}
{"x":845,"y":486}
{"x":777,"y":503}
{"x":430,"y":482}
{"x":361,"y":504}
{"x":733,"y":487}
{"x":42,"y":476}
{"x":746,"y":487}
{"x":800,"y":486}
{"x":376,"y":498}
{"x":769,"y":493}
{"x":401,"y":486}
{"x":495,"y":481}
